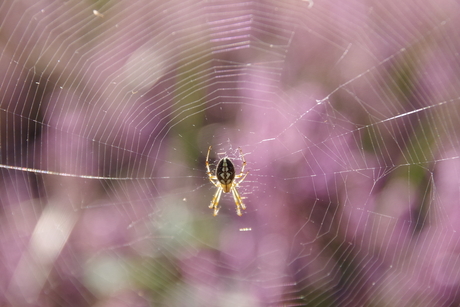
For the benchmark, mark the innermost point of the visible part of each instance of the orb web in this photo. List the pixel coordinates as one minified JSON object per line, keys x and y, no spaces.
{"x":347,"y":114}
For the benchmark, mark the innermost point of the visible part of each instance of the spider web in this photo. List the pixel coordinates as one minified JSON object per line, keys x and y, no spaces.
{"x":346,"y":112}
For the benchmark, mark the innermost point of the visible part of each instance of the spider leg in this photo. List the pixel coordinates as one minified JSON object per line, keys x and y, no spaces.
{"x":244,"y":160}
{"x":215,"y":201}
{"x":207,"y":162}
{"x":242,"y":176}
{"x":212,"y":178}
{"x":238,"y":202}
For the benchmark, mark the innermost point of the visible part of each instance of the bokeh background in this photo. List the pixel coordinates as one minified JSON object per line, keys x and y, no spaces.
{"x":347,"y":113}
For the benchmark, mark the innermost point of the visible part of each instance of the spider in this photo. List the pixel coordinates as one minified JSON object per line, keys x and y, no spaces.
{"x":225,"y":181}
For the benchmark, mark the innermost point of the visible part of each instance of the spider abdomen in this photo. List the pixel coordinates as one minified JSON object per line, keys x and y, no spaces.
{"x":225,"y":173}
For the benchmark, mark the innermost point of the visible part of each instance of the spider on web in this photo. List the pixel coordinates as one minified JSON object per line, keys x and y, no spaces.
{"x":226,"y":180}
